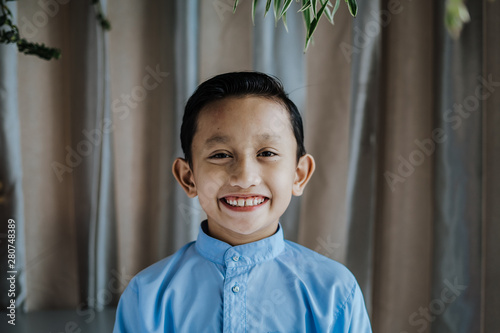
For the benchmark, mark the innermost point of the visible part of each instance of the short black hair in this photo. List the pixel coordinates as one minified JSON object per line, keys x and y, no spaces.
{"x":237,"y":84}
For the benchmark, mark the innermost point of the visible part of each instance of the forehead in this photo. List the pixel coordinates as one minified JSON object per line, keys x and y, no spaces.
{"x":249,"y":118}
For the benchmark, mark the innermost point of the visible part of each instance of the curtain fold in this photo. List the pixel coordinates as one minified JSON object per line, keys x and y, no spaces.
{"x":363,"y":140}
{"x":403,"y":231}
{"x":490,"y":293}
{"x":458,"y":189}
{"x":91,"y":143}
{"x":186,"y":213}
{"x":11,"y":190}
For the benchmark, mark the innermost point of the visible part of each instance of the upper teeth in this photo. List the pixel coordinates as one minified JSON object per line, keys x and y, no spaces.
{"x":241,"y":202}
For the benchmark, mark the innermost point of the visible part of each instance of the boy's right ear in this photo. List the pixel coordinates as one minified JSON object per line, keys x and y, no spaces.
{"x":184,"y":175}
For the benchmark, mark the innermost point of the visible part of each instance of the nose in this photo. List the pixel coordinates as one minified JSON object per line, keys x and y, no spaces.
{"x":245,"y":173}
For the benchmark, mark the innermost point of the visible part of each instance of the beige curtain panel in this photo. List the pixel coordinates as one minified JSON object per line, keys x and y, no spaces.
{"x":402,"y":119}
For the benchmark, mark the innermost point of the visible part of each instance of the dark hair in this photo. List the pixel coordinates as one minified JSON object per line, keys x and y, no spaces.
{"x":237,"y":84}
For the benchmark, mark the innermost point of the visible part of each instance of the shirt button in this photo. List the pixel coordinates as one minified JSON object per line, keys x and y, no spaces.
{"x":236,"y":289}
{"x":236,"y":258}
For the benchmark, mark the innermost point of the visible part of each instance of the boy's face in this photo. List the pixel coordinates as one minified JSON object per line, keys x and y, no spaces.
{"x":244,"y":167}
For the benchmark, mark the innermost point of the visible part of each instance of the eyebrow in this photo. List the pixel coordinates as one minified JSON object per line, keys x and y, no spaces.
{"x":216,"y":139}
{"x":269,"y":137}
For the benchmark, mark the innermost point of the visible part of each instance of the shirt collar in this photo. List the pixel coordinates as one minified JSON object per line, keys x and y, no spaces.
{"x":246,"y":254}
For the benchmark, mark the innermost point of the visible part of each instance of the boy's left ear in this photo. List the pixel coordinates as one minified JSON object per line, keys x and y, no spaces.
{"x":304,"y":171}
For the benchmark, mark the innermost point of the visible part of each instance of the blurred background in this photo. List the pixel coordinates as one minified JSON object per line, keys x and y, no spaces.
{"x":401,"y":115}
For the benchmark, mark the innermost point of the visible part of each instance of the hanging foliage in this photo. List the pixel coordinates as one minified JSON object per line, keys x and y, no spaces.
{"x":9,"y":33}
{"x":312,"y":11}
{"x":456,"y":13}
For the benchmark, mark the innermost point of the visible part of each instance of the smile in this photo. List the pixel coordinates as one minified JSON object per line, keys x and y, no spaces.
{"x":234,"y":201}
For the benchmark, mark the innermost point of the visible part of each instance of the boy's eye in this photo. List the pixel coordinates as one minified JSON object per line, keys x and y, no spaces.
{"x":267,"y":153}
{"x":220,"y":155}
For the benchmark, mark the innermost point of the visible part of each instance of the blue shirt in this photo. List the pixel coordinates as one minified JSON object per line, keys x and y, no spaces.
{"x":271,"y":285}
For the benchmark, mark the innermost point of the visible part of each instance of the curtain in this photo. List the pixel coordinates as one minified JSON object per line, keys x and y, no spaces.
{"x":11,"y":193}
{"x":401,"y":119}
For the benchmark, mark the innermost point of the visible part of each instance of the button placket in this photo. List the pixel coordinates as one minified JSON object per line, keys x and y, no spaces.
{"x":234,"y":293}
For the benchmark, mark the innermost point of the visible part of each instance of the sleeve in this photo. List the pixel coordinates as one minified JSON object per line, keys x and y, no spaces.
{"x":354,"y":317}
{"x":127,"y":314}
{"x":359,"y":320}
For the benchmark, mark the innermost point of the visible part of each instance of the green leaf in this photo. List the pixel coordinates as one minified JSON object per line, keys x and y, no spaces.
{"x":306,"y":5}
{"x":312,"y":9}
{"x":314,"y":23}
{"x":277,"y":5}
{"x":353,"y":7}
{"x":40,"y":50}
{"x":456,"y":15}
{"x":307,"y":22}
{"x":268,"y":5}
{"x":254,"y":7}
{"x":337,"y":4}
{"x":236,"y":2}
{"x":331,"y":14}
{"x":284,"y":21}
{"x":286,"y":5}
{"x":307,"y":17}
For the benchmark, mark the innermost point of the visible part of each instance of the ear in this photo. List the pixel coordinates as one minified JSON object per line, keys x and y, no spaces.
{"x":184,"y":176}
{"x":304,"y":171}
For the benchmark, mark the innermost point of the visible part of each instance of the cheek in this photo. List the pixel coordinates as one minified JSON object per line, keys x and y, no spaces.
{"x":208,"y":183}
{"x":282,"y":183}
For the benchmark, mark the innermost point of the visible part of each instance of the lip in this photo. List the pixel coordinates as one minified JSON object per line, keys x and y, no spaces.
{"x":247,"y":195}
{"x":243,"y":208}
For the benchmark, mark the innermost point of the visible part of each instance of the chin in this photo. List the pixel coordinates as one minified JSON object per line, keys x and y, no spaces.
{"x":244,"y":228}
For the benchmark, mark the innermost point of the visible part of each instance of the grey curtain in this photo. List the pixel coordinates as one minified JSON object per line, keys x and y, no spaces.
{"x":405,"y":192}
{"x":11,"y":193}
{"x":186,"y":71}
{"x":490,"y":267}
{"x":458,"y":177}
{"x":363,"y":140}
{"x":91,"y":144}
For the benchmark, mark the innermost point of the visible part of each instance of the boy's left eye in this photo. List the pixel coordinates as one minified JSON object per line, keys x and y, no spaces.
{"x":267,"y":153}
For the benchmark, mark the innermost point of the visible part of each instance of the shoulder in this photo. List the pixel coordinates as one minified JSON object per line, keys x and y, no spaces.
{"x":331,"y":284}
{"x":317,"y":264}
{"x":326,"y":277}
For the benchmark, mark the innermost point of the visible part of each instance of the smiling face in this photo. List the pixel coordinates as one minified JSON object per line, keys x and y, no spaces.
{"x":244,"y":168}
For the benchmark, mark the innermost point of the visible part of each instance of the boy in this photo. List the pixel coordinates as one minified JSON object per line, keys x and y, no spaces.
{"x":244,"y":159}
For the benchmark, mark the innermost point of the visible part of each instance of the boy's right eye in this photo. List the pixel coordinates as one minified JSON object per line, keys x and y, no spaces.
{"x":219,"y":156}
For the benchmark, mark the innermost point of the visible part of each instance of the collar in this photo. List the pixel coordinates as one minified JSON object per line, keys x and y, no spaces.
{"x":252,"y":253}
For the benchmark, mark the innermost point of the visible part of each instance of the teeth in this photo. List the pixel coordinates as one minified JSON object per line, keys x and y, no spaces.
{"x":241,"y":202}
